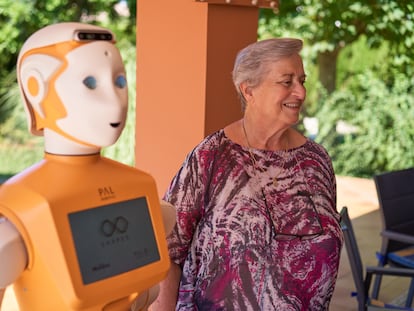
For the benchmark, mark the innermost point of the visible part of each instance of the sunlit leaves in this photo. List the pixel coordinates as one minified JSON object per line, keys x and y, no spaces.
{"x":20,"y":18}
{"x":383,"y":113}
{"x":342,"y":22}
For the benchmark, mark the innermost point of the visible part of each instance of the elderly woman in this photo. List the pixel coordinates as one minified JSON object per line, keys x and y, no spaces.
{"x":257,"y":225}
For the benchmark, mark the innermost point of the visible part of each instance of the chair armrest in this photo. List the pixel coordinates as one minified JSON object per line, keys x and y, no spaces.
{"x":391,"y":271}
{"x":395,"y":236}
{"x":404,"y":272}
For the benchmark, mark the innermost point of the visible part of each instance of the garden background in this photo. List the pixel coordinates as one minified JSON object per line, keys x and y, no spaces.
{"x":358,"y":55}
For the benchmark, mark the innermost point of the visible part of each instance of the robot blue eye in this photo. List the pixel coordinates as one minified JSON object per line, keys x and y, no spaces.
{"x":90,"y":82}
{"x":120,"y":82}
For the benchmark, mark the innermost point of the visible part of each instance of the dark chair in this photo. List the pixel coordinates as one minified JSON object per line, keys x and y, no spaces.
{"x":363,"y":277}
{"x":395,"y":191}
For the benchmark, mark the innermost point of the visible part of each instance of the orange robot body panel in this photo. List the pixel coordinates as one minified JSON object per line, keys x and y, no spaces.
{"x":93,"y":231}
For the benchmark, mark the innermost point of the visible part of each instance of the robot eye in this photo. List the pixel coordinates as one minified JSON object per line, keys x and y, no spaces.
{"x":120,"y":82}
{"x":90,"y":82}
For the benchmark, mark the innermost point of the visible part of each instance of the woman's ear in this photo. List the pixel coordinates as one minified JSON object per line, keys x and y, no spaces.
{"x":246,"y":90}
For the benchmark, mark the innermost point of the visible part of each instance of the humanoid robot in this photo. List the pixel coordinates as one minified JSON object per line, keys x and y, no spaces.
{"x":79,"y":231}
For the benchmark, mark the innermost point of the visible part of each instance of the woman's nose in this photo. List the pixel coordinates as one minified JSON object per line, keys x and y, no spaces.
{"x":299,"y":91}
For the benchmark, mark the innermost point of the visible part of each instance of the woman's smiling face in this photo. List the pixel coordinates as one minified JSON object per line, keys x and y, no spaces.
{"x":281,"y":94}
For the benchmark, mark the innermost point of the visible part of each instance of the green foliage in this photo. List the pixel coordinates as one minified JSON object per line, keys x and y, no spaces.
{"x":16,"y":157}
{"x":18,"y":20}
{"x":374,"y":68}
{"x":374,"y":95}
{"x":330,"y":24}
{"x":8,"y":99}
{"x":358,"y":57}
{"x":381,"y":122}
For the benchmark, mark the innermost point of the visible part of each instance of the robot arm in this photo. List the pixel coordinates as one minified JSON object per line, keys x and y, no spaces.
{"x":2,"y":291}
{"x":13,"y":254}
{"x":145,"y":299}
{"x":168,"y":216}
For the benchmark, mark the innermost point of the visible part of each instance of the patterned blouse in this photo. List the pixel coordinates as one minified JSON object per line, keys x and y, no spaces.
{"x":245,"y":242}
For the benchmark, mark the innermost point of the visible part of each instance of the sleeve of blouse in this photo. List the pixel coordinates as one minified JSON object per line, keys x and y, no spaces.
{"x":332,"y":179}
{"x":186,"y":192}
{"x":329,"y":175}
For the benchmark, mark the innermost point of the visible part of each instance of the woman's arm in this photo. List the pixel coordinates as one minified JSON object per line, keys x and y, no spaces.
{"x":167,"y":298}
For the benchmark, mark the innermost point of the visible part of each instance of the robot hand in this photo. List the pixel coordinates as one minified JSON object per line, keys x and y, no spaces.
{"x":168,"y":216}
{"x":2,"y":291}
{"x":13,"y":255}
{"x":145,"y":299}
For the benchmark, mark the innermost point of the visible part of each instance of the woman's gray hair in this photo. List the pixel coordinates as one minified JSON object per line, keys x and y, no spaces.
{"x":252,"y":62}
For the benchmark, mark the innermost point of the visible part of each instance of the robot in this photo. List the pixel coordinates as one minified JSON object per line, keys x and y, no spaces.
{"x":79,"y":231}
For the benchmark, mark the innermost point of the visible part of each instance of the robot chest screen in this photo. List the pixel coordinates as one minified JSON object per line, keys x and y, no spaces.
{"x":113,"y":239}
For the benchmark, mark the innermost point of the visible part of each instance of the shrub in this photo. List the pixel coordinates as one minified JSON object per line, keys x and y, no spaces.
{"x":382,"y":114}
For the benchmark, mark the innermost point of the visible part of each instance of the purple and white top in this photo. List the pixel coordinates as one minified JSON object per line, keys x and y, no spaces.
{"x":244,"y":243}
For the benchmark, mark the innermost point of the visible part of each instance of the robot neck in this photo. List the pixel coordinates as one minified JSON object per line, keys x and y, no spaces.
{"x":60,"y":145}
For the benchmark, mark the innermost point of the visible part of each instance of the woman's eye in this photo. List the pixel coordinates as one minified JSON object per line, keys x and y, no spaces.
{"x":90,"y":82}
{"x":286,"y":83}
{"x":120,"y":82}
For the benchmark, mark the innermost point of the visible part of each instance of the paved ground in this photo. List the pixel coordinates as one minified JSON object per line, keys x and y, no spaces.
{"x":359,"y":195}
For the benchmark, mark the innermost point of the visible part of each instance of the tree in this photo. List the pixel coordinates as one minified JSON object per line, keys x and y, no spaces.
{"x":330,"y":25}
{"x":380,"y":125}
{"x":19,"y":19}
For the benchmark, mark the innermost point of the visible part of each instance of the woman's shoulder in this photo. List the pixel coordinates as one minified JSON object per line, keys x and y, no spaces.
{"x":313,"y":145}
{"x":209,"y":145}
{"x":307,"y":145}
{"x":212,"y":141}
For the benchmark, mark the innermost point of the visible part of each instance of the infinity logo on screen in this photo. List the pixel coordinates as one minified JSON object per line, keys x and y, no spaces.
{"x":119,"y":225}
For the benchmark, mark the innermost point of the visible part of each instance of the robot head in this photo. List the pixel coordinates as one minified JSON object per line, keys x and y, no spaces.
{"x":72,"y":80}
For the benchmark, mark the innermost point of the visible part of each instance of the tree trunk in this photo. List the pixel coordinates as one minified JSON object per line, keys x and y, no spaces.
{"x":327,"y":69}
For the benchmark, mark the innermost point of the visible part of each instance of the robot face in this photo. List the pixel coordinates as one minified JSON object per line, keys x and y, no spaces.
{"x":94,"y":93}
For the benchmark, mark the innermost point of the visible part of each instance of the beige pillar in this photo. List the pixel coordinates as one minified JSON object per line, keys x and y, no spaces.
{"x":185,"y":54}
